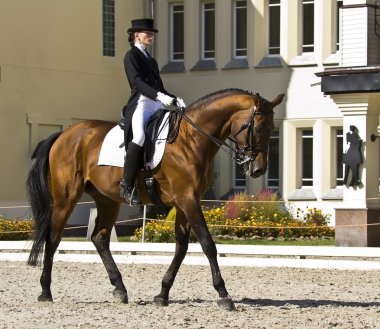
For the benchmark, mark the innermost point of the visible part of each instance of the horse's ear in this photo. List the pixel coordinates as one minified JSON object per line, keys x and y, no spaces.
{"x":257,"y":99}
{"x":278,"y":100}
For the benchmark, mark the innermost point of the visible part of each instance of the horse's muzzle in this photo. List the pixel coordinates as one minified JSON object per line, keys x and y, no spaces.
{"x":254,"y":170}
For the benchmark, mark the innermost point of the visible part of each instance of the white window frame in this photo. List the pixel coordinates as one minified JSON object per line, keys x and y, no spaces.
{"x":303,"y":45}
{"x":303,"y":137}
{"x":275,"y":136}
{"x":338,"y":12}
{"x":234,"y":30}
{"x":172,"y":12}
{"x":338,"y":152}
{"x":203,"y":30}
{"x":269,"y":48}
{"x":235,"y":180}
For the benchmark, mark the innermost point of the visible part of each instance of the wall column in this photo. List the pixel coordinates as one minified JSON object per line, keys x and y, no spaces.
{"x":361,"y":207}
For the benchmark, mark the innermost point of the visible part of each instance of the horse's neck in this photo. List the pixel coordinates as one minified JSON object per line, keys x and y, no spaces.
{"x":215,"y":121}
{"x":212,"y":121}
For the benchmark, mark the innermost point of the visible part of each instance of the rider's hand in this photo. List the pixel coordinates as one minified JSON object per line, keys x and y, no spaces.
{"x":165,"y":99}
{"x":180,"y":102}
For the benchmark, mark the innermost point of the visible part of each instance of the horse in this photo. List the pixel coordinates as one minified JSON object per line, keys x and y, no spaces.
{"x":65,"y":166}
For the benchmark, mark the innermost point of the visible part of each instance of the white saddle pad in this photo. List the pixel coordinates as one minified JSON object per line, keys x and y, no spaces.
{"x":113,"y":155}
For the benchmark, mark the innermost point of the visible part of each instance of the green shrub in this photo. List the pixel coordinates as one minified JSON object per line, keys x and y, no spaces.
{"x":15,"y":229}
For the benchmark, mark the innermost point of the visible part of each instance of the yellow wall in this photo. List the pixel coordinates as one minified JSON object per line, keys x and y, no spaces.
{"x":53,"y":73}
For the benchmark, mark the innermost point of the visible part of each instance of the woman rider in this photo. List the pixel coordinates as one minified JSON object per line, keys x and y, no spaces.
{"x":148,"y":95}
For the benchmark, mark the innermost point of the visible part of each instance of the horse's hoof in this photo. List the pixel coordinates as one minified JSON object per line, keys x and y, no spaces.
{"x":160,"y":301}
{"x":226,"y":304}
{"x":121,"y":296}
{"x":45,"y":298}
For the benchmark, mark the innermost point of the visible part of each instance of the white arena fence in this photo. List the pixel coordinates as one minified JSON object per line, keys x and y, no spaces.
{"x":358,"y":258}
{"x":343,"y":258}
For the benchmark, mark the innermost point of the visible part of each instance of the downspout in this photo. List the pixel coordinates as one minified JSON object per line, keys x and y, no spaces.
{"x":151,"y":9}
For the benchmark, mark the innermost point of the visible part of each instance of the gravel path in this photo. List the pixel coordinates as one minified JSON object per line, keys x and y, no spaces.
{"x":264,"y":297}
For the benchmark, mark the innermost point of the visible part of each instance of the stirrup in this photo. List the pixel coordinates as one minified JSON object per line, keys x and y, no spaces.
{"x":130,"y":194}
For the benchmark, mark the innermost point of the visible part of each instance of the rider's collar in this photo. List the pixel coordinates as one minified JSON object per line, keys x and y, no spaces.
{"x":141,"y":48}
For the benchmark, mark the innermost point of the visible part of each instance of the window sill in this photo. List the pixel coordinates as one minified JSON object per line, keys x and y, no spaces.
{"x":305,"y":59}
{"x":303,"y":194}
{"x":204,"y":65}
{"x":174,"y":67}
{"x":333,"y":194}
{"x":270,"y":61}
{"x":333,"y":59}
{"x":236,"y":63}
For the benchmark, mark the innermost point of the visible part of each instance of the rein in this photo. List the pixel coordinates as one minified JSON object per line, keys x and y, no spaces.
{"x":239,"y":155}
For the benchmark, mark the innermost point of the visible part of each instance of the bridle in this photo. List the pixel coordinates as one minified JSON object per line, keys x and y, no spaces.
{"x":250,"y":148}
{"x":240,"y":155}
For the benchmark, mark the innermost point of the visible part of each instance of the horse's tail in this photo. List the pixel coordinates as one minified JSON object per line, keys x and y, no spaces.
{"x":39,"y":196}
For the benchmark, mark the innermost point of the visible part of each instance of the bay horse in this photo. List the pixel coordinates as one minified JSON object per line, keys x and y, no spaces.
{"x":65,"y":166}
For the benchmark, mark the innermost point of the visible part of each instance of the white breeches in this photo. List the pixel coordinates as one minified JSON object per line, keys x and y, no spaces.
{"x":145,"y":108}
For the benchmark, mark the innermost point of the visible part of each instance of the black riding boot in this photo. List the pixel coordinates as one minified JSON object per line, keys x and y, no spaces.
{"x":131,"y":166}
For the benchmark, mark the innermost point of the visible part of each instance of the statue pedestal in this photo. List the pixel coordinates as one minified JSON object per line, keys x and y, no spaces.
{"x":354,"y":229}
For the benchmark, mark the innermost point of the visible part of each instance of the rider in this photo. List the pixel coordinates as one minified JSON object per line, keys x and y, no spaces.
{"x":148,"y":95}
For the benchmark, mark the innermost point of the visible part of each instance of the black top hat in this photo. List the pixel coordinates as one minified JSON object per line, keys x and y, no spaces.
{"x":144,"y":24}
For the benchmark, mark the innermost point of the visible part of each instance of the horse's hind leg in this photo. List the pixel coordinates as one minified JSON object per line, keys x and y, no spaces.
{"x":60,"y":215}
{"x":182,"y":233}
{"x":107,"y":213}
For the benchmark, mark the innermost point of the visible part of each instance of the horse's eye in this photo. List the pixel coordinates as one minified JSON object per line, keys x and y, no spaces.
{"x":259,"y":130}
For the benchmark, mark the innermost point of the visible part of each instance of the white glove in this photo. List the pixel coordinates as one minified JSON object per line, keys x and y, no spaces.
{"x":180,"y":102}
{"x":164,"y":99}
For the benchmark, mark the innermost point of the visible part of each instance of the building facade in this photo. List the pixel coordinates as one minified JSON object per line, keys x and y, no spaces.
{"x":63,"y":63}
{"x":269,"y":47}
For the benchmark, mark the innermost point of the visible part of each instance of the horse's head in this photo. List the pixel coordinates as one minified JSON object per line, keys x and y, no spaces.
{"x":252,"y":131}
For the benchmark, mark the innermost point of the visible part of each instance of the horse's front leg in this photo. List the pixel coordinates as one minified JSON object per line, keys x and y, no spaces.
{"x":194,"y":214}
{"x":182,"y":233}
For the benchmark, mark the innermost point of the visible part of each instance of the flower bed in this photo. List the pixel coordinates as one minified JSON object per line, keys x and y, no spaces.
{"x":249,"y":217}
{"x":15,"y":229}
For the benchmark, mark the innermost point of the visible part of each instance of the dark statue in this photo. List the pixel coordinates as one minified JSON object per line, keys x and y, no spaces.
{"x":352,"y":158}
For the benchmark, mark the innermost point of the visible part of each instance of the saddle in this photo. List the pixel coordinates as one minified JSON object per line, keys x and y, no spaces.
{"x":152,"y":132}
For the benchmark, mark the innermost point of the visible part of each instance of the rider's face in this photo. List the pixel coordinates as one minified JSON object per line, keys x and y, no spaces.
{"x":146,"y":38}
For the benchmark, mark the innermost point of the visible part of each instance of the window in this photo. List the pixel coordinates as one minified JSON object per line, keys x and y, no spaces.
{"x":109,"y":28}
{"x":307,"y":157}
{"x":208,"y":30}
{"x":273,"y":175}
{"x":239,"y":181}
{"x":339,"y":4}
{"x":239,"y":28}
{"x":307,"y":26}
{"x":339,"y":157}
{"x":274,"y":27}
{"x":177,"y":35}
